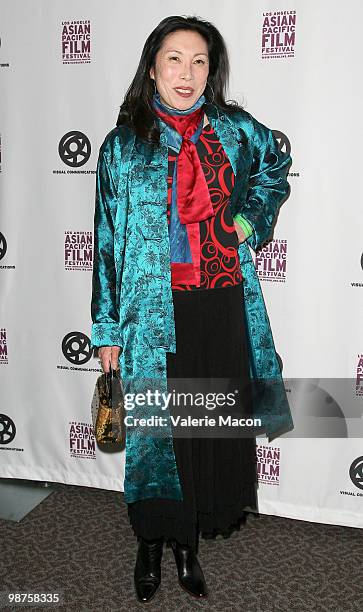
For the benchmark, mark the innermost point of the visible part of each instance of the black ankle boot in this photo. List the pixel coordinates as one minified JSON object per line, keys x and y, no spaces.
{"x":147,"y":574}
{"x":190,"y":573}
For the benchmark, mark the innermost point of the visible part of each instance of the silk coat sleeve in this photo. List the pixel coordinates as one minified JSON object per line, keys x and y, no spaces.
{"x":267,"y":186}
{"x":104,"y":303}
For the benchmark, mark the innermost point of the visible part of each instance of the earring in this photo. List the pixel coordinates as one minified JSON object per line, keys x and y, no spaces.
{"x":155,"y":90}
{"x":212,"y":100}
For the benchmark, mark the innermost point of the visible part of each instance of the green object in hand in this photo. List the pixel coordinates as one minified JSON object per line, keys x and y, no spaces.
{"x":245,"y":225}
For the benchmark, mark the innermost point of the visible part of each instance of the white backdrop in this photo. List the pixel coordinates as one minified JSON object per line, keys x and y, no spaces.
{"x":311,"y":273}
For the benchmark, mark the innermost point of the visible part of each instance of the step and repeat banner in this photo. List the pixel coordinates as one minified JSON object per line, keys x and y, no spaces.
{"x":64,"y":69}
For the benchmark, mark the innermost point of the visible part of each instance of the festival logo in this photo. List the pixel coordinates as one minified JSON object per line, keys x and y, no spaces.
{"x":76,"y":42}
{"x":78,"y":250}
{"x":359,"y":376}
{"x":271,"y":260}
{"x":3,"y":346}
{"x":268,"y":464}
{"x":278,"y":34}
{"x":81,"y":440}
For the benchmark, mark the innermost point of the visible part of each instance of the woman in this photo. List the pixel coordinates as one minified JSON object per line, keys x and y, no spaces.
{"x":184,"y":182}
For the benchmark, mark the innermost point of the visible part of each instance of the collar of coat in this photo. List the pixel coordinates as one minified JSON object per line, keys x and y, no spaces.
{"x":240,"y":122}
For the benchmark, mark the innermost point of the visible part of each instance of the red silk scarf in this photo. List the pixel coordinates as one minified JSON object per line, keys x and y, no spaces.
{"x":193,"y":197}
{"x":193,"y":201}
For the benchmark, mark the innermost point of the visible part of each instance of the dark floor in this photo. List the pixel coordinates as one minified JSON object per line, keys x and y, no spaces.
{"x":79,"y":540}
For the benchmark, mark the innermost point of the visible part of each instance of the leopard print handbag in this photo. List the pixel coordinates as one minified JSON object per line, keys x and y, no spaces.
{"x":108,"y":409}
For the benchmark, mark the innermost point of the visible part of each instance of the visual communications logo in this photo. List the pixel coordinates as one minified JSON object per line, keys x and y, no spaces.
{"x":3,"y":246}
{"x":3,"y":251}
{"x":76,"y":348}
{"x":74,"y":149}
{"x":358,"y":283}
{"x":356,"y":472}
{"x":7,"y":429}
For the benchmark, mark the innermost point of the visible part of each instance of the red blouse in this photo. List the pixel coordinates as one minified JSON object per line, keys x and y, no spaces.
{"x":219,"y":261}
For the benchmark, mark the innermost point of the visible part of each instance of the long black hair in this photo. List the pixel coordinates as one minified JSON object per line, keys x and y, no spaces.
{"x":136,"y":110}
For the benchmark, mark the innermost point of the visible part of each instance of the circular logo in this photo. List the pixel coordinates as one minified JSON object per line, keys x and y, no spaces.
{"x":74,"y":149}
{"x":76,"y":348}
{"x":284,"y":143}
{"x":7,"y":429}
{"x":3,"y":245}
{"x":356,"y":472}
{"x":361,"y":261}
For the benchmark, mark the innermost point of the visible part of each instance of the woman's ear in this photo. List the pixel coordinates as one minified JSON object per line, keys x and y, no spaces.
{"x":152,"y":73}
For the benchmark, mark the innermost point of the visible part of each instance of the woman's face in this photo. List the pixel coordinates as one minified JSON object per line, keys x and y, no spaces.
{"x":181,"y":69}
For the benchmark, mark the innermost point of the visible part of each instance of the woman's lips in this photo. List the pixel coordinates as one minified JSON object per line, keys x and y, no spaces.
{"x":184,"y":93}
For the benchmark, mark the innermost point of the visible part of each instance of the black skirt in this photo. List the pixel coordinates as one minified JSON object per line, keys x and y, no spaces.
{"x":217,"y":474}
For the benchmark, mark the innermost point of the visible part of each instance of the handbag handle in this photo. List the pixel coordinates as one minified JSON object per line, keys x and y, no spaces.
{"x":108,"y":378}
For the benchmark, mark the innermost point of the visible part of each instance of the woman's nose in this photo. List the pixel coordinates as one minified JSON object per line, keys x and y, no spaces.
{"x":186,"y":73}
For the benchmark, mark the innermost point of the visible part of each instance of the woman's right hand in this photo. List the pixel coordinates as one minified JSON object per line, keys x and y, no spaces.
{"x":108,"y":356}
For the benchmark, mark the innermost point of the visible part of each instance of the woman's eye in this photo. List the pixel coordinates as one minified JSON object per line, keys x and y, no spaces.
{"x":198,"y":61}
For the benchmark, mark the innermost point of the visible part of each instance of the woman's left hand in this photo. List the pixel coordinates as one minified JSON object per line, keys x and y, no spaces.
{"x":240,"y":233}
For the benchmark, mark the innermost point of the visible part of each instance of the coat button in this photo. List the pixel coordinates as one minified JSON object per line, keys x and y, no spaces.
{"x":222,"y":117}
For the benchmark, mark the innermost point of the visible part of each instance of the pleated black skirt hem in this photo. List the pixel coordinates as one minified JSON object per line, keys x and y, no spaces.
{"x":208,"y":525}
{"x":217,"y":475}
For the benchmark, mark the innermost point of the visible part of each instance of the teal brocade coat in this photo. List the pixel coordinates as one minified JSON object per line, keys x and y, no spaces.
{"x":132,"y":303}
